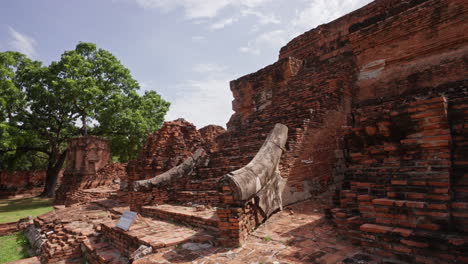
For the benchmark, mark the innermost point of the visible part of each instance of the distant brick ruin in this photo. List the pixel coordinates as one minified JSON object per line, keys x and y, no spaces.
{"x":21,"y":182}
{"x":367,"y":113}
{"x":87,"y":168}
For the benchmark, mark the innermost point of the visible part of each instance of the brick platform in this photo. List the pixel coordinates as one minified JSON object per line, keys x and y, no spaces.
{"x":205,"y":218}
{"x":298,"y":234}
{"x":154,"y":233}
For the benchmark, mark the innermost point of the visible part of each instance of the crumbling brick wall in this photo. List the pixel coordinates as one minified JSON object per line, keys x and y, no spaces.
{"x":386,"y":48}
{"x":210,"y":135}
{"x":25,"y":183}
{"x":21,"y":179}
{"x":85,"y":157}
{"x":326,"y":76}
{"x":403,"y":195}
{"x":166,"y":148}
{"x":356,"y":67}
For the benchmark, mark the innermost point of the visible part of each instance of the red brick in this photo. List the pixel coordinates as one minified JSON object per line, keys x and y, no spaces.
{"x":412,"y":243}
{"x":387,"y":202}
{"x":371,"y":228}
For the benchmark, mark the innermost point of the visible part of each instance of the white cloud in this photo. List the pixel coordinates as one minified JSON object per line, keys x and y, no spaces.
{"x":323,"y":11}
{"x":22,"y":43}
{"x":210,"y":68}
{"x":199,"y":8}
{"x":262,"y":18}
{"x":223,"y":23}
{"x":272,"y":39}
{"x":317,"y":12}
{"x":203,"y":102}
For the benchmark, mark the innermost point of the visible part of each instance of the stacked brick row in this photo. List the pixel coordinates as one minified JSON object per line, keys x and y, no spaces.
{"x":182,"y":218}
{"x":210,"y":135}
{"x":198,"y":197}
{"x":108,"y":175}
{"x":458,"y":115}
{"x":397,"y":190}
{"x":102,"y":185}
{"x":90,"y":195}
{"x":125,"y":243}
{"x":236,"y":221}
{"x":97,"y":251}
{"x":66,"y":229}
{"x":8,"y":228}
{"x":24,"y":183}
{"x":167,"y":148}
{"x":21,"y":179}
{"x":61,"y":242}
{"x":271,"y":96}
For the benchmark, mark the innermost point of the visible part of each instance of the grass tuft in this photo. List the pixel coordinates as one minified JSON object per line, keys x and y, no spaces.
{"x":13,"y":247}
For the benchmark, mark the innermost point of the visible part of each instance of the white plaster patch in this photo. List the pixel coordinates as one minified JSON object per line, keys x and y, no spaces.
{"x":372,"y":70}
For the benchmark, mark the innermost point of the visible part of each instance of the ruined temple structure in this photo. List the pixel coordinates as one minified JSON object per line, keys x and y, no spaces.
{"x":375,"y":107}
{"x":367,"y":113}
{"x":88,"y":176}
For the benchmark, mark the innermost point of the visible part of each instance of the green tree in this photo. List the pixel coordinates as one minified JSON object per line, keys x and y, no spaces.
{"x":87,"y":92}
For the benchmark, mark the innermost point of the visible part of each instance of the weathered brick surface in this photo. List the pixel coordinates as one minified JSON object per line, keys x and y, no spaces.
{"x":21,"y":179}
{"x":397,"y":162}
{"x":168,"y":147}
{"x":399,"y":182}
{"x":22,"y":183}
{"x":85,"y":157}
{"x":210,"y":135}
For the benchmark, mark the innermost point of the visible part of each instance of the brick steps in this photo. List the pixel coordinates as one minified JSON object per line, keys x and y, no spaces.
{"x":154,"y":233}
{"x":98,"y":251}
{"x":206,"y":218}
{"x":201,"y":184}
{"x":210,"y":197}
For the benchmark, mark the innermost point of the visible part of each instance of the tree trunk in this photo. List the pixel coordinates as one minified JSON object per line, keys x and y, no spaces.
{"x":53,"y":170}
{"x":84,"y":129}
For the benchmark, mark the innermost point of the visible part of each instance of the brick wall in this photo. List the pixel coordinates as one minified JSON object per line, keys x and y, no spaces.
{"x":384,"y":49}
{"x":236,"y":221}
{"x":399,"y":164}
{"x":399,"y":196}
{"x":166,"y":148}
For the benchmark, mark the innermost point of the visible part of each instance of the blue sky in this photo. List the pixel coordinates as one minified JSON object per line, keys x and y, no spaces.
{"x":186,"y":50}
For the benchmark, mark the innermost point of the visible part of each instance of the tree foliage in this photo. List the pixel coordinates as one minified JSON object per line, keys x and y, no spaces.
{"x":88,"y":91}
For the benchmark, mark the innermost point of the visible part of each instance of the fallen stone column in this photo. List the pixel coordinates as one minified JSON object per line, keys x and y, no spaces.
{"x":261,"y":177}
{"x":198,"y":158}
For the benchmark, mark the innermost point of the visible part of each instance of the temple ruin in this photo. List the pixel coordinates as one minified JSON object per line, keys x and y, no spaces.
{"x":368,"y":114}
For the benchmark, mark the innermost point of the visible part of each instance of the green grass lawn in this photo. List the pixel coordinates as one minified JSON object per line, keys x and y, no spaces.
{"x":15,"y":209}
{"x":13,"y":247}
